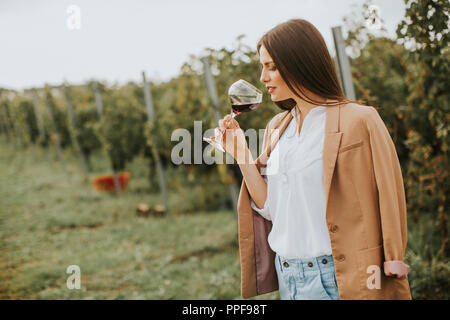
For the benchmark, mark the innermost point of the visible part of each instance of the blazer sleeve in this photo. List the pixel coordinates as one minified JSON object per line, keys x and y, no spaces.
{"x":391,"y":192}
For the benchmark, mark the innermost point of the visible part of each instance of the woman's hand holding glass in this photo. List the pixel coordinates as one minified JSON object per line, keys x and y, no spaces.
{"x":233,"y":139}
{"x":229,"y":137}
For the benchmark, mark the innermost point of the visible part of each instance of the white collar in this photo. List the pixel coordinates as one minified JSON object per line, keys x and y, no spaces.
{"x":296,"y":114}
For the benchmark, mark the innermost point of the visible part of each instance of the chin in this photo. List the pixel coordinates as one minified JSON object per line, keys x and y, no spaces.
{"x":274,"y":97}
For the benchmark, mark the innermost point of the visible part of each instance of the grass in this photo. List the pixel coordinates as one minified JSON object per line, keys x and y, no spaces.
{"x":51,"y":219}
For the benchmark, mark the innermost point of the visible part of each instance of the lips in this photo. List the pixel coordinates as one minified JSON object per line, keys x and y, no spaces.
{"x":270,"y":88}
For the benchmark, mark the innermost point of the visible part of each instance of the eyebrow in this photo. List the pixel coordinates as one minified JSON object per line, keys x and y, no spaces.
{"x":266,"y":63}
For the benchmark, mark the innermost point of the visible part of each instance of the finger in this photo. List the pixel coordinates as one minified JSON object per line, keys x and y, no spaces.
{"x":228,"y":124}
{"x":217,"y":132}
{"x":221,"y":123}
{"x":231,"y":124}
{"x":224,"y":139}
{"x":235,"y":124}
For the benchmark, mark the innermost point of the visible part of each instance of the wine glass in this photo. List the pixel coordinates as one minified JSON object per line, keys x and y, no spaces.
{"x":244,"y":97}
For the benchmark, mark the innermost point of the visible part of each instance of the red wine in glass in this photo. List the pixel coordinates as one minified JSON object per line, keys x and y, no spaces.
{"x":246,"y":107}
{"x":244,"y":97}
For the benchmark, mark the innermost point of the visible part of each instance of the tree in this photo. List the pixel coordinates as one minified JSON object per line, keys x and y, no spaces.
{"x":425,"y":32}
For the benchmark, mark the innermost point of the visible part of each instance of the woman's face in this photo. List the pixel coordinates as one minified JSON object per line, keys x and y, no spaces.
{"x":272,"y":79}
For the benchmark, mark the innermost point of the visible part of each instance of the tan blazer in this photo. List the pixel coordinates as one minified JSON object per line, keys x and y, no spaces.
{"x":365,"y":208}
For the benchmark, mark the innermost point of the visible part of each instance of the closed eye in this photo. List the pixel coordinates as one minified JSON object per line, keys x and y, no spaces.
{"x":271,"y":68}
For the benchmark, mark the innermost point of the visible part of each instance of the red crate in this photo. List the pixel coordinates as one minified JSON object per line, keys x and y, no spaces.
{"x":106,"y":183}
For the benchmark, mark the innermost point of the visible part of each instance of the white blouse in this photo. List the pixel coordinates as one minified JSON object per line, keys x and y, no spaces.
{"x":295,"y":189}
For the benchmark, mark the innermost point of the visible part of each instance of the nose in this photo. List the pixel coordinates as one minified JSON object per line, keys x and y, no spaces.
{"x":264,"y":77}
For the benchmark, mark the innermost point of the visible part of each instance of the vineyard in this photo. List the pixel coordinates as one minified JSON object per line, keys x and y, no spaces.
{"x":87,"y":176}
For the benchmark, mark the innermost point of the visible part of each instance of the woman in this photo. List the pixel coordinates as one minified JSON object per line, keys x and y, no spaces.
{"x":322,"y":211}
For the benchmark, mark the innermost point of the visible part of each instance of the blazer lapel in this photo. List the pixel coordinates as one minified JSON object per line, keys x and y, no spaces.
{"x":330,"y":147}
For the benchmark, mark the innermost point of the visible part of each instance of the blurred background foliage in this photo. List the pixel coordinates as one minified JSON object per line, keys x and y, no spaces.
{"x":405,"y":76}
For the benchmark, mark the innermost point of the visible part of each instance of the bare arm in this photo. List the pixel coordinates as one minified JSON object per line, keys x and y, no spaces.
{"x":234,"y":141}
{"x":256,"y":185}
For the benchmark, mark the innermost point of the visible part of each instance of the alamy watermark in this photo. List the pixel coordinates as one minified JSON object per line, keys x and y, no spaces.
{"x":74,"y":280}
{"x":73,"y":21}
{"x":374,"y":280}
{"x":188,"y":149}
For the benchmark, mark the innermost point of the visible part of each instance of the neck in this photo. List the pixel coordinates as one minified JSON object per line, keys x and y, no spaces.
{"x":304,"y":107}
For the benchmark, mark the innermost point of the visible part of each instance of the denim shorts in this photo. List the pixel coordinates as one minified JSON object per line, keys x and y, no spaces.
{"x":307,"y":279}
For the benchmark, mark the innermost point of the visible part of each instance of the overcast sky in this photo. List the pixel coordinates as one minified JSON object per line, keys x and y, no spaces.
{"x":118,"y":39}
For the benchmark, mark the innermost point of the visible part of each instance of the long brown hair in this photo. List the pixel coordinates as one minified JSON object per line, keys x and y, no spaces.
{"x":302,"y":58}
